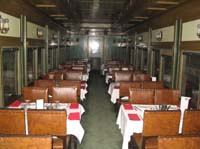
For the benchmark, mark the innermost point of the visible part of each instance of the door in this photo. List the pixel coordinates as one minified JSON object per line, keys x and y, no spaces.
{"x":9,"y":77}
{"x":191,"y":78}
{"x":96,"y":51}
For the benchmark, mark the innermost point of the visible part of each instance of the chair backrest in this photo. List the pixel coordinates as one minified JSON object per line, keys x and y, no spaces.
{"x":122,"y":76}
{"x":34,"y":93}
{"x":179,"y":142}
{"x":141,"y":96}
{"x":112,"y":69}
{"x":58,"y":76}
{"x":47,"y":122}
{"x":66,"y":94}
{"x":159,"y":123}
{"x":73,"y":75}
{"x":141,"y":77}
{"x":25,"y":142}
{"x":12,"y":121}
{"x":153,"y":85}
{"x":124,"y":87}
{"x":45,"y":83}
{"x":50,"y":75}
{"x":71,"y":83}
{"x":167,"y":96}
{"x":191,"y":122}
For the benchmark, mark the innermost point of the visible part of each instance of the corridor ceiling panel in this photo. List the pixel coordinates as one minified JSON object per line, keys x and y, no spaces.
{"x":119,"y":14}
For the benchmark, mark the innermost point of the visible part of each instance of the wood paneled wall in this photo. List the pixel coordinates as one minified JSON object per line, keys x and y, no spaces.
{"x":18,"y":7}
{"x":187,"y":11}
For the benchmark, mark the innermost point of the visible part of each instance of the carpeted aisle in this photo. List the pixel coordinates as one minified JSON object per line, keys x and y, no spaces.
{"x":99,"y":120}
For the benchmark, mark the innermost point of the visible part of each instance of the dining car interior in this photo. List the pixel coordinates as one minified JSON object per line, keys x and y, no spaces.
{"x":99,"y":74}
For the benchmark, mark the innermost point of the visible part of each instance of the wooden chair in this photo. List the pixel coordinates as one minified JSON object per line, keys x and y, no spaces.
{"x":157,"y":123}
{"x":141,"y":96}
{"x":34,"y":93}
{"x":122,"y":76}
{"x":12,"y":121}
{"x":167,"y":96}
{"x":124,"y":91}
{"x":153,"y":85}
{"x":73,"y":75}
{"x":49,"y":122}
{"x":191,"y":122}
{"x":50,"y":75}
{"x":141,"y":77}
{"x":71,"y":83}
{"x":58,"y":76}
{"x":124,"y":87}
{"x":64,"y":94}
{"x":45,"y":83}
{"x":25,"y":142}
{"x":179,"y":142}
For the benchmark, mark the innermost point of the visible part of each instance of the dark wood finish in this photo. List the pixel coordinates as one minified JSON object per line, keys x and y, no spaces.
{"x":191,"y":122}
{"x":187,"y":11}
{"x":190,"y":45}
{"x":162,"y":45}
{"x":36,"y":42}
{"x":25,"y":142}
{"x":10,"y":41}
{"x":18,"y":7}
{"x":179,"y":142}
{"x":12,"y":121}
{"x":168,"y":125}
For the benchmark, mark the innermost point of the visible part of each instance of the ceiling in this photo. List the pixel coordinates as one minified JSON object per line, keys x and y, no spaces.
{"x":112,"y":15}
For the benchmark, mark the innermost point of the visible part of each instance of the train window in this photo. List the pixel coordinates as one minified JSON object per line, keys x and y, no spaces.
{"x":167,"y":70}
{"x":156,"y":62}
{"x":10,"y":69}
{"x":191,"y":79}
{"x":30,"y":65}
{"x":50,"y":59}
{"x":39,"y":61}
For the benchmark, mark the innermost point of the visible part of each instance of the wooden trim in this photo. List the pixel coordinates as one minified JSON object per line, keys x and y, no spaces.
{"x":10,"y":41}
{"x":36,"y":42}
{"x":162,"y":45}
{"x":190,"y":45}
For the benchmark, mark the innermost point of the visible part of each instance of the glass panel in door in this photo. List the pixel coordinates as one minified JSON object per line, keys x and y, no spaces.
{"x":9,"y":74}
{"x":191,"y":78}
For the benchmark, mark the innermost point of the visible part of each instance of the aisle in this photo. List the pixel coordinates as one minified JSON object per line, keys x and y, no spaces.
{"x":99,"y":121}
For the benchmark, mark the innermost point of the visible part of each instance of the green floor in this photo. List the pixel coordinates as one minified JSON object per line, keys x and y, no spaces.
{"x":99,"y":121}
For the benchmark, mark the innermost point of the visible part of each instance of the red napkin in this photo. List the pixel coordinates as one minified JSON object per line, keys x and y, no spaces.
{"x":82,"y":87}
{"x":116,"y":87}
{"x":128,"y":107}
{"x":74,"y":116}
{"x":83,"y":82}
{"x":74,"y":106}
{"x":16,"y":103}
{"x":133,"y":117}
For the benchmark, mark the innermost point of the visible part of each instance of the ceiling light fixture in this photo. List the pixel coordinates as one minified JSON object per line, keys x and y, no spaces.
{"x":136,"y":20}
{"x":167,"y":3}
{"x":59,"y":18}
{"x":141,"y":17}
{"x":57,"y":15}
{"x":45,"y":5}
{"x":4,"y":25}
{"x":157,"y":8}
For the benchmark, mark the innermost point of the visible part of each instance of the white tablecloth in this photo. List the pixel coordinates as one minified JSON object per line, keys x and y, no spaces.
{"x":85,"y":77}
{"x":128,"y":127}
{"x":111,"y":87}
{"x":74,"y":127}
{"x":107,"y":78}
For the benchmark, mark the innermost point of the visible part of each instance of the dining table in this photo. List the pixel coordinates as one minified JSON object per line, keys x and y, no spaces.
{"x":130,"y":119}
{"x":74,"y":113}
